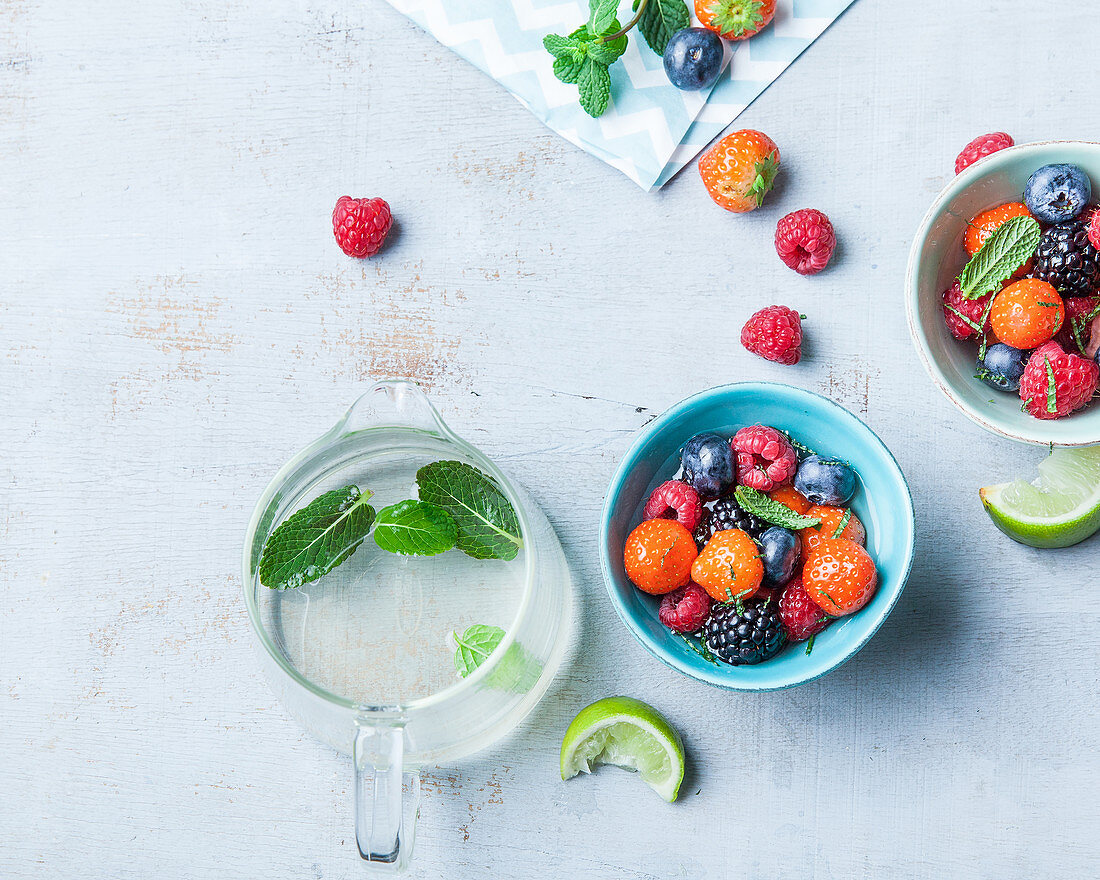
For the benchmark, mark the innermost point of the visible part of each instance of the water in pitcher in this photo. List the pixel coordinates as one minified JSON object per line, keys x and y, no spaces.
{"x":377,"y":629}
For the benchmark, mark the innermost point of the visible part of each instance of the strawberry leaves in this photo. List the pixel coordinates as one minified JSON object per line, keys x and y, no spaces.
{"x":583,"y":57}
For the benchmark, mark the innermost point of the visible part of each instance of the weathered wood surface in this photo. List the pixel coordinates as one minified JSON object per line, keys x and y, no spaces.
{"x":175,"y":321}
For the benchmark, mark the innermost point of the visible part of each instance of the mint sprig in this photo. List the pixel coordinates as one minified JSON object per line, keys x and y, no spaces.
{"x":1052,"y":387}
{"x":415,"y":528}
{"x":1011,"y":245}
{"x":772,"y":511}
{"x":487,"y":526}
{"x":316,"y":539}
{"x":583,"y":57}
{"x":474,"y":646}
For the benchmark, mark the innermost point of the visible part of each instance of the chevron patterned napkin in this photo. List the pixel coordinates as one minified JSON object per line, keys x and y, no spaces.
{"x":651,"y":129}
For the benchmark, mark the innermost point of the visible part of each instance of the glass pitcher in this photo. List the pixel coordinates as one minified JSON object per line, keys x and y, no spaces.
{"x":364,"y":658}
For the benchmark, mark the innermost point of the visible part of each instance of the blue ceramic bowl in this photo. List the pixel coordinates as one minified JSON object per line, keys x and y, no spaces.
{"x":882,"y":503}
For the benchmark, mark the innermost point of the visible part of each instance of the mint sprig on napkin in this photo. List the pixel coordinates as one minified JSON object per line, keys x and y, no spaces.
{"x":583,"y":57}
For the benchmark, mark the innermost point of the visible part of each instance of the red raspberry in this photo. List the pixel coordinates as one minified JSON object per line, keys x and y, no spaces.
{"x":1055,"y":383}
{"x":1094,"y":228}
{"x":774,"y":333}
{"x":361,"y":225}
{"x":765,"y":458}
{"x":802,"y":617}
{"x":1081,"y":313}
{"x":675,"y":500}
{"x":962,"y":314}
{"x":982,"y":146}
{"x":805,"y":241}
{"x":684,"y":609}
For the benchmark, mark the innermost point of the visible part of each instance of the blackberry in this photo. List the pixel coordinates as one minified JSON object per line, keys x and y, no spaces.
{"x":1066,"y":259}
{"x":744,"y":633}
{"x":727,"y":514}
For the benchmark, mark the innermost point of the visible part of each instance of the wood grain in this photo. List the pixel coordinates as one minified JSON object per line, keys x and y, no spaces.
{"x":175,"y":321}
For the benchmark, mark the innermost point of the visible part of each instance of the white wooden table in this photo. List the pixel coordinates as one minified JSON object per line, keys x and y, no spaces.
{"x":175,"y":321}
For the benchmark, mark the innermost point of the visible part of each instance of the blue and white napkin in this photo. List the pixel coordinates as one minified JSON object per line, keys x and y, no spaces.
{"x":651,"y":129}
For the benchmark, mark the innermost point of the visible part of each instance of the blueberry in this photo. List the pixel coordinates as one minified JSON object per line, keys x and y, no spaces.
{"x":779,"y":551}
{"x":1002,"y":367}
{"x":693,"y":58}
{"x":1057,"y":193}
{"x":824,"y":481}
{"x":707,"y":460}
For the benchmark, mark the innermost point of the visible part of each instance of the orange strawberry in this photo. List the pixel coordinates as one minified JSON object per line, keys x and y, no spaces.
{"x":831,"y":518}
{"x":740,"y":169}
{"x":729,"y":568}
{"x":840,"y":576}
{"x":988,"y":222}
{"x":735,"y":19}
{"x":790,"y":496}
{"x":1027,"y":313}
{"x":658,"y":556}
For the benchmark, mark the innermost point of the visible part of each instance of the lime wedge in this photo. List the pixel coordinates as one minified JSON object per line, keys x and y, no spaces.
{"x":1058,"y":508}
{"x":629,"y":734}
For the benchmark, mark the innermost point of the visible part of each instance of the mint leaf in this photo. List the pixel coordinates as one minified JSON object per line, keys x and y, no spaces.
{"x":772,"y":511}
{"x":602,"y":15}
{"x":1052,"y":387}
{"x":594,"y":83}
{"x":474,"y":646}
{"x":1011,"y":245}
{"x":316,"y":539}
{"x":660,"y":20}
{"x":607,"y":53}
{"x":486,"y":521}
{"x":415,"y":528}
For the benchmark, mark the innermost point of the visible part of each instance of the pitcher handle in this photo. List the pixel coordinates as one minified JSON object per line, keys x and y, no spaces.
{"x":387,"y":796}
{"x":393,"y":403}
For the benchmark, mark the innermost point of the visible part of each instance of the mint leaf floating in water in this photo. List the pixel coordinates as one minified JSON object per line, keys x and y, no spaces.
{"x":415,"y":528}
{"x":1011,"y":245}
{"x":487,"y":523}
{"x":772,"y":511}
{"x":474,"y":646}
{"x":316,"y":539}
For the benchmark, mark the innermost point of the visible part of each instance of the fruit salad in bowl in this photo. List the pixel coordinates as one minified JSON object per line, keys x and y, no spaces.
{"x":1004,"y":292}
{"x":755,"y":536}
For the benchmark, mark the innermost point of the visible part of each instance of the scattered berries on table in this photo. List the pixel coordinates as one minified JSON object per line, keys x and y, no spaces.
{"x":780,"y":551}
{"x":765,"y":457}
{"x":774,"y":333}
{"x":685,"y":608}
{"x":735,"y":19}
{"x":707,"y":464}
{"x":802,"y":617}
{"x":839,"y":576}
{"x":1057,"y":193}
{"x":1002,"y":366}
{"x":693,"y":58}
{"x":1068,"y":260}
{"x":729,"y":566}
{"x":740,"y":170}
{"x":982,"y":146}
{"x":675,"y":500}
{"x":658,"y":556}
{"x":1055,"y":383}
{"x":743,"y":633}
{"x":805,"y":241}
{"x":831,"y":518}
{"x":361,"y":225}
{"x":964,"y":317}
{"x":1026,"y":313}
{"x":825,"y":481}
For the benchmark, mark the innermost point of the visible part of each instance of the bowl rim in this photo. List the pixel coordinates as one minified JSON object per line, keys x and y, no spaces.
{"x":627,"y":462}
{"x":965,"y":179}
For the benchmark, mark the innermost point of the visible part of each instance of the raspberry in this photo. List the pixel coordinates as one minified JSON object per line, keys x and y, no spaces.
{"x":774,"y":333}
{"x":963,"y":315}
{"x":982,"y":146}
{"x":685,"y":609}
{"x":677,"y":499}
{"x":1055,"y":383}
{"x":1094,"y":229}
{"x":1077,"y":331}
{"x":765,"y":458}
{"x":361,"y":225}
{"x":802,"y":617}
{"x":805,"y":241}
